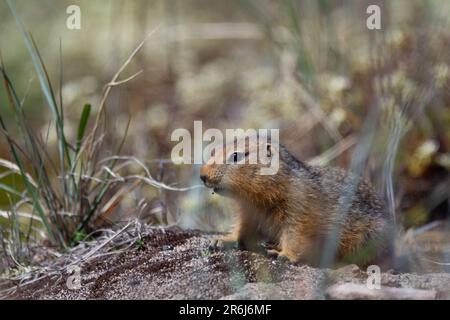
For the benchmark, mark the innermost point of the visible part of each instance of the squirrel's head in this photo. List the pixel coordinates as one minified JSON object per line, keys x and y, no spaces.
{"x":235,"y":169}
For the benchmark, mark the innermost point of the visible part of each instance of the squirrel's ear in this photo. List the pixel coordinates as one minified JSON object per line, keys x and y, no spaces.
{"x":269,"y":150}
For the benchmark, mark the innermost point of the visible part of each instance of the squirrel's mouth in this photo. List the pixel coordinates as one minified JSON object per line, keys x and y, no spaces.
{"x":221,"y":190}
{"x":213,"y":185}
{"x":216,"y":187}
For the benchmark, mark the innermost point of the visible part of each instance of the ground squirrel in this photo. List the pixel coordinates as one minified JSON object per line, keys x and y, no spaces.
{"x":297,"y":209}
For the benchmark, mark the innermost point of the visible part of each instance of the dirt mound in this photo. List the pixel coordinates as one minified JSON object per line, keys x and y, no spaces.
{"x":176,"y":264}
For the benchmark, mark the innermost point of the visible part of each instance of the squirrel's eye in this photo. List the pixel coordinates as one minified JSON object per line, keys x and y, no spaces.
{"x":236,"y":157}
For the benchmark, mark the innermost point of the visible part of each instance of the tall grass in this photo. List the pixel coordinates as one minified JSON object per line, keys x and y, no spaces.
{"x":60,"y":199}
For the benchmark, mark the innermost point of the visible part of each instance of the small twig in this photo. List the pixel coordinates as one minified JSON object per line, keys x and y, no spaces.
{"x":89,"y":254}
{"x":117,"y":83}
{"x":108,"y":88}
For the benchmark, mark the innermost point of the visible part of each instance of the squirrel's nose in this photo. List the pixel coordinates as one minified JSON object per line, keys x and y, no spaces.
{"x":203,"y":178}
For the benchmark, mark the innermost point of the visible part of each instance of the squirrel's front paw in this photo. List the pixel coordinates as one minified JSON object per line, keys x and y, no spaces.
{"x":267,"y":245}
{"x":280,"y":256}
{"x":222,"y":244}
{"x":272,"y":253}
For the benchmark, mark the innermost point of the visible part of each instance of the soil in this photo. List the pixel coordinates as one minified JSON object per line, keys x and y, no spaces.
{"x":176,"y":264}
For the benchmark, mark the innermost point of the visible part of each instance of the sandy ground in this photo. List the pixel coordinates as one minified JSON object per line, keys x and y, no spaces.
{"x":175,"y":264}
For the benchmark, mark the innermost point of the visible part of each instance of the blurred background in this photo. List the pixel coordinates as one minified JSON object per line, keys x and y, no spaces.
{"x":309,"y":68}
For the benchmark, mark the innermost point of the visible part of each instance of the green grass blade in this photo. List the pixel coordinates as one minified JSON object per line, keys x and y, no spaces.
{"x":45,"y":85}
{"x":10,"y":190}
{"x":31,"y":190}
{"x":36,"y":61}
{"x":82,"y":125}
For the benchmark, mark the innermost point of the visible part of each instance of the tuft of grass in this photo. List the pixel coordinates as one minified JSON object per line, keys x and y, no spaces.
{"x":62,"y":199}
{"x":62,"y":202}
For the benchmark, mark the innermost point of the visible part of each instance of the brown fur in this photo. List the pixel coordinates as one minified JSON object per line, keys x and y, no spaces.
{"x":298,"y":208}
